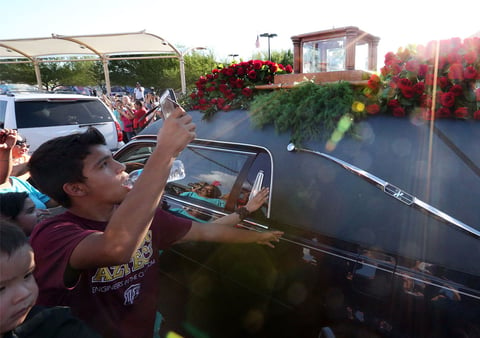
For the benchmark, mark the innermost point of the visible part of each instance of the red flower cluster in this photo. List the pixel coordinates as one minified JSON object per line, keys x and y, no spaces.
{"x":406,"y":82}
{"x":231,"y":87}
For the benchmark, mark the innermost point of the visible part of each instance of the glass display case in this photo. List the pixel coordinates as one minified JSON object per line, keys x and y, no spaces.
{"x":340,"y":49}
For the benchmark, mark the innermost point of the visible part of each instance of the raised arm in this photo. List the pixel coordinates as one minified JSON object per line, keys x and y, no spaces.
{"x":8,"y":138}
{"x":129,"y":223}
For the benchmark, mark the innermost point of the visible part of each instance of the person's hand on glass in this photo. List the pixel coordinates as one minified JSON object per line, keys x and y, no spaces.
{"x":259,"y":200}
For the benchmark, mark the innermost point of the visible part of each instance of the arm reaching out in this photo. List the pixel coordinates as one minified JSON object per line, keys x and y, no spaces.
{"x":222,"y":230}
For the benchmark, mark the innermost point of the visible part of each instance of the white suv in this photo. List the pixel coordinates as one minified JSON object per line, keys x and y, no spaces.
{"x":39,"y":117}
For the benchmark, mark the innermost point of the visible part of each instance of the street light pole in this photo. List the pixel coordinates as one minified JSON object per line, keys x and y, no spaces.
{"x":269,"y":36}
{"x":182,"y":66}
{"x":233,"y":56}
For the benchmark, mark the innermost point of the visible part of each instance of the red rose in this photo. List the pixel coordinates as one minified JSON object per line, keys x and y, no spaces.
{"x":289,"y":69}
{"x":471,"y":57}
{"x":396,"y":69}
{"x":372,"y":84}
{"x":404,"y":83}
{"x":422,"y":70}
{"x":240,"y":71}
{"x":247,"y":92}
{"x":461,"y":112}
{"x":456,"y":90}
{"x":442,"y":82}
{"x":227,"y":107}
{"x":447,"y":99}
{"x":398,"y":112}
{"x":257,"y":64}
{"x":372,"y":109}
{"x":476,"y":115}
{"x":443,"y":112}
{"x":223,"y":88}
{"x":252,"y":75}
{"x":412,"y":66}
{"x":407,"y":92}
{"x":274,"y":68}
{"x":389,"y":58}
{"x":455,"y":72}
{"x":393,"y":103}
{"x":419,"y":88}
{"x":470,"y":73}
{"x":454,"y":57}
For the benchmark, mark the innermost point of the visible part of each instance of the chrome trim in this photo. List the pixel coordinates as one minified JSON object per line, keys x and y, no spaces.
{"x":213,"y":211}
{"x":393,"y":191}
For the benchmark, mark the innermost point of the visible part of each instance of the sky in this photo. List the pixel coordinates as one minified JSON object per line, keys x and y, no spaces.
{"x":231,"y":27}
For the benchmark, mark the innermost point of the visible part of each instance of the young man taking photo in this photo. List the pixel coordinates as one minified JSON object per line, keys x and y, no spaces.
{"x":101,"y":256}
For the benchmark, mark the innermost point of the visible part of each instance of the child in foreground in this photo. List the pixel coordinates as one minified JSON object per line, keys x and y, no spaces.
{"x":19,"y":318}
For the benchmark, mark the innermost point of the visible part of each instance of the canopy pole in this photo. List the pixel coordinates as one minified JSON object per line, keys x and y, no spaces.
{"x":38,"y":75}
{"x":182,"y":74}
{"x":107,"y":75}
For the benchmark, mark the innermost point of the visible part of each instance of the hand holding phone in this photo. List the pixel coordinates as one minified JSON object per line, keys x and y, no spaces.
{"x":168,"y":103}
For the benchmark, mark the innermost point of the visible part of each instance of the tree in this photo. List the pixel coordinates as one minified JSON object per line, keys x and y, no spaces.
{"x":17,"y":73}
{"x":284,"y":57}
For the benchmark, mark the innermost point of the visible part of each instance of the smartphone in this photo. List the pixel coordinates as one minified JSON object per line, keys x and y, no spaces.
{"x":168,"y":103}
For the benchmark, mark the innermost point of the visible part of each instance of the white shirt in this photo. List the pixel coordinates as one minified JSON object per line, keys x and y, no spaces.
{"x":139,"y":93}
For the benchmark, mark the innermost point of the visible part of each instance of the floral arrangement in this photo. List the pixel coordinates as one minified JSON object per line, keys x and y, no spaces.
{"x":405,"y":84}
{"x":404,"y":87}
{"x":232,"y":87}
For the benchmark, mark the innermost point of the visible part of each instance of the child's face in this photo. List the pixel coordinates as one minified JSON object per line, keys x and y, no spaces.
{"x":28,"y":217}
{"x":18,"y":289}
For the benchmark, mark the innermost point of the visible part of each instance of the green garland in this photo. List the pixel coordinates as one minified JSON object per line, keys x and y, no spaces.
{"x":307,"y":109}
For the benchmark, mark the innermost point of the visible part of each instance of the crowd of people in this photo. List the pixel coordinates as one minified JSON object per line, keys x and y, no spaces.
{"x":133,"y":112}
{"x":96,"y":263}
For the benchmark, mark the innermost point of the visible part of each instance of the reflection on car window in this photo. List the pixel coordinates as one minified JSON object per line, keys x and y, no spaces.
{"x":216,"y":179}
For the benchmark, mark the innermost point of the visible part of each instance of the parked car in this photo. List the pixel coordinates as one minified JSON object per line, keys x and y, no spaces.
{"x":118,"y":91}
{"x":73,"y":90}
{"x":381,"y":233}
{"x":8,"y":88}
{"x":40,"y":117}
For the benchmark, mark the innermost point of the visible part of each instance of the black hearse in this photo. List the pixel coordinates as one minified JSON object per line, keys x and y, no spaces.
{"x":382,"y":234}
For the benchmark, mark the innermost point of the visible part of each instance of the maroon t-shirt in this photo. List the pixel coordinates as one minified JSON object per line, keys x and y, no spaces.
{"x":117,"y":301}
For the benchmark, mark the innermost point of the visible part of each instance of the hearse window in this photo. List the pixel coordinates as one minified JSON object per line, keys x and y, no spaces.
{"x":216,"y":179}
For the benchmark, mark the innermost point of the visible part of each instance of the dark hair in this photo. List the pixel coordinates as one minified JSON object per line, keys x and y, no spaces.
{"x":60,"y":160}
{"x":140,"y":103}
{"x":12,"y":238}
{"x":12,"y":203}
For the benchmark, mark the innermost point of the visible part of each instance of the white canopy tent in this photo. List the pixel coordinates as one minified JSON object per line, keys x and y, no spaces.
{"x":90,"y":47}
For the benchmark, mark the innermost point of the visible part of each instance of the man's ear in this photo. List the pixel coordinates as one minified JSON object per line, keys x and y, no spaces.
{"x":74,"y":189}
